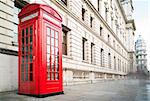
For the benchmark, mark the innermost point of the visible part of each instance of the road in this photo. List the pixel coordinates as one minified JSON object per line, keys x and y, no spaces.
{"x":118,"y":90}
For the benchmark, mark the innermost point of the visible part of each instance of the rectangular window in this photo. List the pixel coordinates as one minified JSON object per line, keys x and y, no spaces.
{"x":99,"y":5}
{"x":83,"y":47}
{"x":64,"y":43}
{"x":102,"y":57}
{"x":65,"y":33}
{"x":101,"y":31}
{"x":98,"y":1}
{"x":109,"y":60}
{"x":91,"y":22}
{"x":108,"y":38}
{"x":106,"y":12}
{"x":92,"y":52}
{"x":114,"y":63}
{"x":83,"y":14}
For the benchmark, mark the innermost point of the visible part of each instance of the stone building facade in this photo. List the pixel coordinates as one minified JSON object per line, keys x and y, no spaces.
{"x":98,"y":40}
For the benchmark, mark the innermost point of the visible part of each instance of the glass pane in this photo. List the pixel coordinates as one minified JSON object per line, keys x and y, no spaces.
{"x":31,"y":71}
{"x":56,"y":43}
{"x":26,"y":48}
{"x":26,"y":40}
{"x":26,"y":72}
{"x":26,"y":58}
{"x":56,"y":51}
{"x":56,"y":59}
{"x":52,"y":59}
{"x":31,"y":76}
{"x":22,"y":67}
{"x":57,"y":76}
{"x":64,"y":40}
{"x":52,"y":50}
{"x":48,"y":66}
{"x":30,"y":48}
{"x":52,"y":33}
{"x":48,"y":40}
{"x":30,"y":39}
{"x":52,"y":41}
{"x":31,"y":31}
{"x":22,"y":76}
{"x":52,"y":63}
{"x":52,"y":76}
{"x":57,"y":67}
{"x":22,"y":49}
{"x":22,"y":32}
{"x":48,"y":70}
{"x":26,"y":32}
{"x":56,"y":35}
{"x":48,"y":76}
{"x":48,"y":31}
{"x":31,"y":57}
{"x":53,"y":67}
{"x":48,"y":57}
{"x":48,"y":48}
{"x":22,"y":41}
{"x":31,"y":67}
{"x":22,"y":59}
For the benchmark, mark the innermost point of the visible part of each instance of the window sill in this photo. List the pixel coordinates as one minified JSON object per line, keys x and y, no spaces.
{"x":67,"y":56}
{"x":84,"y":61}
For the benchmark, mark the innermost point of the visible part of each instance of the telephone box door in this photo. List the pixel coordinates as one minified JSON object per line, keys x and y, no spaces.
{"x":53,"y":57}
{"x":27,"y":64}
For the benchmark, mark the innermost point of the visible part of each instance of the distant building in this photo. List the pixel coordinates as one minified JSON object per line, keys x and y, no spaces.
{"x":141,"y":55}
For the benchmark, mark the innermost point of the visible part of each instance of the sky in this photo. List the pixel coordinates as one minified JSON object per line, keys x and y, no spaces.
{"x":142,"y":21}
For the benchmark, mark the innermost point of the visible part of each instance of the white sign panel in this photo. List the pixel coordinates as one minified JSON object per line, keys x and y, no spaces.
{"x":51,"y":19}
{"x":29,"y":17}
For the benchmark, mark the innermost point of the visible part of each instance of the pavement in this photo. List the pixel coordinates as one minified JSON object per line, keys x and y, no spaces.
{"x":117,"y":90}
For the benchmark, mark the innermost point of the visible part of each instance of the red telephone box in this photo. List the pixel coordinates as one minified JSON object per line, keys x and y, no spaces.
{"x":40,"y":50}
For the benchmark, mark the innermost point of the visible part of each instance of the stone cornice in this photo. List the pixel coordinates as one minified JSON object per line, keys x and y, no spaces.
{"x":133,"y":23}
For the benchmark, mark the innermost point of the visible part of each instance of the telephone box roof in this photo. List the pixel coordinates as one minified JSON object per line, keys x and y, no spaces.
{"x":29,"y":8}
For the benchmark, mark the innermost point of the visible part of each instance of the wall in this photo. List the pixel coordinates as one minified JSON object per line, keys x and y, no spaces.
{"x":9,"y":72}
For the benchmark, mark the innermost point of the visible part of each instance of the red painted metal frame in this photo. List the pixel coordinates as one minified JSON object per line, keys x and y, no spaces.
{"x":40,"y":85}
